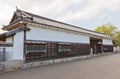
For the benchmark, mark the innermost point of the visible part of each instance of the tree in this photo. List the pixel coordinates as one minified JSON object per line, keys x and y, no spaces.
{"x":110,"y":30}
{"x":116,"y":40}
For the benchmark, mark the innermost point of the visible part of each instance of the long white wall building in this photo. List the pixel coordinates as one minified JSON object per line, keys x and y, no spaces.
{"x":33,"y":38}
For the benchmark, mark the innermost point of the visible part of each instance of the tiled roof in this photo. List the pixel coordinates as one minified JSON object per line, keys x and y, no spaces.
{"x":43,"y":20}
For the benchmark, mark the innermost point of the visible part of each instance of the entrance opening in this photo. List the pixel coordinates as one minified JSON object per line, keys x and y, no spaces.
{"x":96,"y":45}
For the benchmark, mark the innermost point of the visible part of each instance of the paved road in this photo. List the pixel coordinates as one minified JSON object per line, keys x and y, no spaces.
{"x":105,"y":67}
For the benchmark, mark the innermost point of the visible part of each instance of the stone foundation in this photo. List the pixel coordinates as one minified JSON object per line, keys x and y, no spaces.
{"x":19,"y":64}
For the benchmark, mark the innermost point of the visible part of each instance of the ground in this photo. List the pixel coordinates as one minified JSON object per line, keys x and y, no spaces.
{"x":104,"y":67}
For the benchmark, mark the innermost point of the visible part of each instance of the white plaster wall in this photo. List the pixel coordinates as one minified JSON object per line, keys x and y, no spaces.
{"x":9,"y":53}
{"x":37,"y":33}
{"x":107,"y":42}
{"x":18,"y":46}
{"x":9,"y":50}
{"x":44,"y":21}
{"x":9,"y":39}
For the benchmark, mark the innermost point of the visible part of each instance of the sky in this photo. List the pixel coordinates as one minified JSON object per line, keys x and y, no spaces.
{"x":87,"y":14}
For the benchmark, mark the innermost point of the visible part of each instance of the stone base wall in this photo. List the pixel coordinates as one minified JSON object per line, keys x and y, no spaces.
{"x":19,"y":64}
{"x":116,"y":49}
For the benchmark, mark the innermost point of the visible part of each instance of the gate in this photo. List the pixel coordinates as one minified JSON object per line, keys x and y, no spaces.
{"x":2,"y":54}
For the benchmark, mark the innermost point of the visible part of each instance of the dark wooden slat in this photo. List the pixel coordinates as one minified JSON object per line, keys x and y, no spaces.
{"x":6,"y":45}
{"x":77,"y":49}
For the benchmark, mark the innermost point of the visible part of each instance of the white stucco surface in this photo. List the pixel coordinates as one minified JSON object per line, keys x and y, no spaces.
{"x":61,"y":25}
{"x":9,"y":39}
{"x":107,"y":42}
{"x":9,"y":53}
{"x":37,"y":33}
{"x":18,"y":46}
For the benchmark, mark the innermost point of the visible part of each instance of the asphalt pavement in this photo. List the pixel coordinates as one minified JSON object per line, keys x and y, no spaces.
{"x":104,"y":67}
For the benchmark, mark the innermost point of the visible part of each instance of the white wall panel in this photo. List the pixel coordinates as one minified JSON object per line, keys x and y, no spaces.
{"x":107,"y":42}
{"x":9,"y":53}
{"x":45,"y":21}
{"x":37,"y":33}
{"x":18,"y":46}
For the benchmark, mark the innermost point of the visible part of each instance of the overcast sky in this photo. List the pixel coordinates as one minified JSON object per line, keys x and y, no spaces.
{"x":83,"y":13}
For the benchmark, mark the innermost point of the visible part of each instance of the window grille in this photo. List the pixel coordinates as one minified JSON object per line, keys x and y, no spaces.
{"x":64,"y":48}
{"x":35,"y":48}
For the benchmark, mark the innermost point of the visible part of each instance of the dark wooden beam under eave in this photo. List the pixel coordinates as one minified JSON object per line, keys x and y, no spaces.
{"x":17,"y":30}
{"x":3,"y":37}
{"x":18,"y":23}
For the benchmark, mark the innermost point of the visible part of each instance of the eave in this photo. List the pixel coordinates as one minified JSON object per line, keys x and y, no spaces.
{"x":47,"y":26}
{"x":21,"y":23}
{"x":3,"y":37}
{"x":13,"y":25}
{"x":13,"y":32}
{"x":51,"y":22}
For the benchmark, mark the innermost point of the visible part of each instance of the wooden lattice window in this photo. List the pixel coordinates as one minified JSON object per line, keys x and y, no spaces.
{"x":30,"y":48}
{"x":64,"y":47}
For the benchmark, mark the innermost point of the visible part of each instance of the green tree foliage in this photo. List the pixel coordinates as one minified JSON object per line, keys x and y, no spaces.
{"x":116,"y":40}
{"x":110,"y":30}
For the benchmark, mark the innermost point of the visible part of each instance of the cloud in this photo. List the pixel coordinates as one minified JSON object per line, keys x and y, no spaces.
{"x":45,"y":7}
{"x":92,"y":8}
{"x":59,"y":9}
{"x":48,"y":8}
